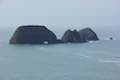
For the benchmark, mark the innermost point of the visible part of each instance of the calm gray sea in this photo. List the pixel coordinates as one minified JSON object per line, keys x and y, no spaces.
{"x":99,"y":60}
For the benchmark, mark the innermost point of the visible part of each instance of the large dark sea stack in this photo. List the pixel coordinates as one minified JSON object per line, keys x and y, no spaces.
{"x":33,"y":34}
{"x":83,"y":35}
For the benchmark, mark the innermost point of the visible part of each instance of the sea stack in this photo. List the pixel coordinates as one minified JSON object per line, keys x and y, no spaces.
{"x":84,"y":35}
{"x":33,"y":34}
{"x":87,"y":34}
{"x":71,"y":36}
{"x":36,"y":34}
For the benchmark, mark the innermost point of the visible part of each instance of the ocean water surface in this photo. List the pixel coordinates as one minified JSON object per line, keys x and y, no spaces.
{"x":98,"y":60}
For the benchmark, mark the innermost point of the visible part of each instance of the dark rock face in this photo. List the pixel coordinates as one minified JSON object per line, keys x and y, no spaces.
{"x":83,"y":35}
{"x":33,"y":34}
{"x":71,"y":36}
{"x":88,"y":34}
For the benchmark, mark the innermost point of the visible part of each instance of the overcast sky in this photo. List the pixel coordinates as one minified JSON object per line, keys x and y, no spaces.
{"x":60,"y":13}
{"x":103,"y":16}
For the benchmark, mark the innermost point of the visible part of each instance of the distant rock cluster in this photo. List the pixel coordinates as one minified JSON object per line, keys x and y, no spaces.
{"x":35,"y":34}
{"x":83,"y":35}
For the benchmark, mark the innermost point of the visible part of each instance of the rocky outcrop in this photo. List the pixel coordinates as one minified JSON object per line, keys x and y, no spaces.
{"x":33,"y":34}
{"x":83,"y":35}
{"x":88,"y":34}
{"x":71,"y":36}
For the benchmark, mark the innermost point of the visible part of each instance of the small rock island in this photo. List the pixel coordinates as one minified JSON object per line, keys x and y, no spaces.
{"x":36,"y":34}
{"x":83,"y":35}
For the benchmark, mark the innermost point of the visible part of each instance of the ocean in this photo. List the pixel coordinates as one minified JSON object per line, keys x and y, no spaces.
{"x":98,"y":60}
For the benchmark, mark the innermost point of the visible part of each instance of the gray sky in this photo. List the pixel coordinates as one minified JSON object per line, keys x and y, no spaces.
{"x":60,"y":13}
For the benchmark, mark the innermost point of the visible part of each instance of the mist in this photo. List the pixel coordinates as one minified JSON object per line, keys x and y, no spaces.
{"x":101,"y":15}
